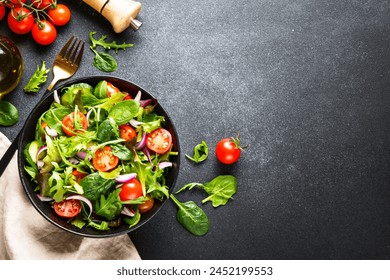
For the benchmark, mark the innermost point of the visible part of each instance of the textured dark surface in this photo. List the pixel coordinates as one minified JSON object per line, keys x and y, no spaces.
{"x":305,"y":83}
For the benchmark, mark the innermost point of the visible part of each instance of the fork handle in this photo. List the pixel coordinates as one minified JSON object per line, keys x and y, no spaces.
{"x":120,"y":13}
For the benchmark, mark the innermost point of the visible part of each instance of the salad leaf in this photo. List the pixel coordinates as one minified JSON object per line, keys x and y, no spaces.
{"x":220,"y":189}
{"x":9,"y":114}
{"x":201,"y":152}
{"x":133,"y":220}
{"x":94,"y":186}
{"x":104,"y":62}
{"x":124,"y":111}
{"x":192,"y":217}
{"x":109,"y":207}
{"x":101,"y":90}
{"x":37,"y":79}
{"x":107,"y":45}
{"x":107,"y":130}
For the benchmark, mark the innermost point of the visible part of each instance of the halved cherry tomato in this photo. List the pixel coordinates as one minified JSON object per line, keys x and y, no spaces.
{"x":131,"y":190}
{"x":159,"y":140}
{"x":2,"y":11}
{"x":147,"y":205}
{"x":104,"y":160}
{"x":44,"y":32}
{"x":111,"y":89}
{"x":20,"y":20}
{"x":70,"y":124}
{"x":127,"y":132}
{"x":67,"y":208}
{"x":60,"y":15}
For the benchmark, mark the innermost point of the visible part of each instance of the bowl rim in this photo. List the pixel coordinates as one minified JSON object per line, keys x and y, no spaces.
{"x":30,"y":193}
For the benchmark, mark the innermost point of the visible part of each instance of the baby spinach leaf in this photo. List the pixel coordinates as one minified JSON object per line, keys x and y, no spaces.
{"x":124,"y":111}
{"x":201,"y":152}
{"x":108,"y":130}
{"x":192,"y":217}
{"x":220,"y":189}
{"x":9,"y":115}
{"x":94,"y":186}
{"x":104,"y":62}
{"x":122,"y":152}
{"x":101,"y":90}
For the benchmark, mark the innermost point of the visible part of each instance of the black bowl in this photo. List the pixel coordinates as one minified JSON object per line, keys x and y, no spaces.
{"x":44,"y":208}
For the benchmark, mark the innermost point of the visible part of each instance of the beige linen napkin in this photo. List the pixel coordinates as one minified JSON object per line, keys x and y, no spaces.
{"x":26,"y":235}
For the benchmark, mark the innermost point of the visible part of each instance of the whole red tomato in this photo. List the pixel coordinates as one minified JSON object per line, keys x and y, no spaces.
{"x":2,"y":11}
{"x":44,"y":32}
{"x":131,"y":190}
{"x":228,"y":150}
{"x":60,"y":15}
{"x":20,"y":20}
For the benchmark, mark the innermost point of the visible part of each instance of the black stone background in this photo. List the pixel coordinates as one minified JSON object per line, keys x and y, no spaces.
{"x":305,"y":83}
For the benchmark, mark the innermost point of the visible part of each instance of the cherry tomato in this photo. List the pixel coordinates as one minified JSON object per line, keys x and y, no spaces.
{"x":131,"y":190}
{"x":20,"y":20}
{"x":147,"y":205}
{"x":111,"y":89}
{"x":79,"y":175}
{"x":159,"y":140}
{"x":67,"y":208}
{"x":2,"y":11}
{"x":228,"y":151}
{"x":69,"y":126}
{"x":127,"y":132}
{"x":60,"y":15}
{"x":44,"y":32}
{"x":15,"y":3}
{"x":104,"y":160}
{"x":41,"y":4}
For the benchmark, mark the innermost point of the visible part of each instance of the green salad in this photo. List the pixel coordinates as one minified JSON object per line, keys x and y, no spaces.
{"x":100,"y":156}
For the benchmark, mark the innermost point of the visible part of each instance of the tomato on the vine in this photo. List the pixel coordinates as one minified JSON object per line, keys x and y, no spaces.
{"x":44,"y":32}
{"x":159,"y":140}
{"x":41,"y":4}
{"x":15,"y":3}
{"x":60,"y":15}
{"x":72,"y":124}
{"x":132,"y":189}
{"x":2,"y":11}
{"x":104,"y":159}
{"x":228,"y":150}
{"x":67,"y":208}
{"x":127,"y":132}
{"x":20,"y":20}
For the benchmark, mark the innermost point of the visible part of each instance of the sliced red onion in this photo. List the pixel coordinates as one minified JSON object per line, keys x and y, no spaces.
{"x":147,"y":154}
{"x":88,"y":115}
{"x":164,"y":164}
{"x":41,"y":150}
{"x":56,"y":97}
{"x":141,"y":144}
{"x":146,"y":102}
{"x":128,"y":212}
{"x":74,"y":160}
{"x":40,"y":164}
{"x":45,"y":198}
{"x":135,"y":123}
{"x":138,"y":96}
{"x":82,"y":198}
{"x":123,"y":178}
{"x":81,"y":154}
{"x":51,"y":132}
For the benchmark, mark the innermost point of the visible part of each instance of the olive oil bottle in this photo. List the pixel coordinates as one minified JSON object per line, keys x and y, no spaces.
{"x":11,"y":66}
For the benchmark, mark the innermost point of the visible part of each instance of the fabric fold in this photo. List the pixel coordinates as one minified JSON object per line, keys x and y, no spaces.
{"x":26,"y":235}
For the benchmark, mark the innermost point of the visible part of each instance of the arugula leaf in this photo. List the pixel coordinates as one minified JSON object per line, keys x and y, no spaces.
{"x":109,"y":207}
{"x":37,"y":79}
{"x":107,"y":45}
{"x":201,"y":152}
{"x":220,"y":189}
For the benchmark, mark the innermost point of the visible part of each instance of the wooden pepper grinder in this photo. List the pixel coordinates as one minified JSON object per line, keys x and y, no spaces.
{"x":120,"y":13}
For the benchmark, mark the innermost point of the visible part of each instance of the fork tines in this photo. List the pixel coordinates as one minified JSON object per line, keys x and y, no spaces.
{"x":72,"y":50}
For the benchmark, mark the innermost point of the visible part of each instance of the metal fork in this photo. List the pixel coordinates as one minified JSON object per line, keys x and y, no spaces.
{"x":64,"y":66}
